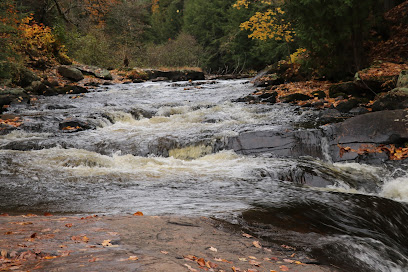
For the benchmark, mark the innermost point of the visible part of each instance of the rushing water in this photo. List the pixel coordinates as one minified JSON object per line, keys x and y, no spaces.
{"x":160,"y":148}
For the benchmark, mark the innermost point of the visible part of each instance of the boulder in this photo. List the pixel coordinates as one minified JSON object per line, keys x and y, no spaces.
{"x":71,"y":73}
{"x":374,"y":84}
{"x":395,"y":99}
{"x":370,"y":129}
{"x":349,"y":88}
{"x":75,"y":124}
{"x":347,"y":105}
{"x":178,"y":75}
{"x":403,"y":80}
{"x":268,"y":80}
{"x":24,"y":77}
{"x":269,"y":97}
{"x":72,"y":89}
{"x":94,"y":71}
{"x":295,"y":97}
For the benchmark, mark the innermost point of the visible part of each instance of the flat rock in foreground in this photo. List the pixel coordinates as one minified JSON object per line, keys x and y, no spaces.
{"x":137,"y":243}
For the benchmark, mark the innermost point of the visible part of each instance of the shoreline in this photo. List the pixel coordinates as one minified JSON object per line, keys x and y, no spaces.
{"x":139,"y":243}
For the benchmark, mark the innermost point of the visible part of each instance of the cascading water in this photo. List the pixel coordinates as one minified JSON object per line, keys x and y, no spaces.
{"x":163,"y":148}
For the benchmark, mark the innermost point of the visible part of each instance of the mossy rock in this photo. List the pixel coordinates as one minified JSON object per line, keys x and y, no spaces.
{"x":403,"y":79}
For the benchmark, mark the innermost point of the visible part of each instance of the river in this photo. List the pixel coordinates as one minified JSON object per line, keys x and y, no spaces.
{"x":160,"y":148}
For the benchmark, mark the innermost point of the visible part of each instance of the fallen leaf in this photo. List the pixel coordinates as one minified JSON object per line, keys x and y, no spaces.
{"x":4,"y":214}
{"x":22,"y":223}
{"x":284,"y":268}
{"x":210,"y":264}
{"x":106,"y":243}
{"x":29,"y":215}
{"x":164,"y":252}
{"x":190,"y":268}
{"x":50,"y":257}
{"x":252,"y":257}
{"x":3,"y":253}
{"x":267,"y":249}
{"x":213,"y":249}
{"x":133,"y":258}
{"x":252,"y":270}
{"x":242,"y":259}
{"x":236,"y":269}
{"x":253,"y":262}
{"x":201,"y":262}
{"x":33,"y":235}
{"x":138,"y":214}
{"x":47,"y":214}
{"x":298,"y":262}
{"x":190,"y":257}
{"x":93,"y":260}
{"x":257,"y":244}
{"x":288,"y":261}
{"x":69,"y":225}
{"x":247,"y":235}
{"x":222,"y":260}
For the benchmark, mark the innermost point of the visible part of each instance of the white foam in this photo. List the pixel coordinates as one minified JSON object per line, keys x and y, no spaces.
{"x":396,"y":189}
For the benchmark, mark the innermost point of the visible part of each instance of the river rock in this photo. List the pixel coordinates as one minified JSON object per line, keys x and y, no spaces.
{"x":295,"y":97}
{"x":395,"y":99}
{"x":95,"y":71}
{"x":349,"y":88}
{"x":347,"y":105}
{"x":385,"y":127}
{"x":403,"y":80}
{"x":178,"y":75}
{"x":281,"y":143}
{"x":75,"y":124}
{"x":72,"y":89}
{"x":70,"y":72}
{"x":268,"y":80}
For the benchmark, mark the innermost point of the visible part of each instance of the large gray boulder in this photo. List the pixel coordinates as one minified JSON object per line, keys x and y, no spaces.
{"x":71,"y":73}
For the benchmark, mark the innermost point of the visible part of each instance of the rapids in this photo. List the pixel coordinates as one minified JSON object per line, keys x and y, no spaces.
{"x":162,"y":148}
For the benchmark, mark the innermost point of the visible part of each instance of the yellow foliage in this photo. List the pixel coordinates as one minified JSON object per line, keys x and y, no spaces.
{"x":268,"y":25}
{"x":155,"y":6}
{"x":296,"y":56}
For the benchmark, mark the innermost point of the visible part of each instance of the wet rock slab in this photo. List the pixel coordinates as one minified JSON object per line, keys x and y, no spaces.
{"x":137,"y":243}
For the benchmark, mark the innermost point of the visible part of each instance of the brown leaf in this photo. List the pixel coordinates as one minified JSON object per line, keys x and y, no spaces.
{"x":252,"y":257}
{"x":201,"y":262}
{"x":50,"y":257}
{"x":253,"y":262}
{"x":4,"y":214}
{"x":47,"y":214}
{"x":236,"y":269}
{"x":164,"y":252}
{"x":211,"y":265}
{"x":69,"y":225}
{"x":133,"y":258}
{"x":138,"y":214}
{"x":257,"y":244}
{"x":33,"y":235}
{"x":247,"y":235}
{"x":190,"y":257}
{"x":3,"y":253}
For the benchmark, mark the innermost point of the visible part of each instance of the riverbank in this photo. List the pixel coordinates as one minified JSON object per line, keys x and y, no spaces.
{"x":140,"y":243}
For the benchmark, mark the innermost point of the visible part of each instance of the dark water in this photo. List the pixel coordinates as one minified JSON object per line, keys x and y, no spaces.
{"x":159,"y":148}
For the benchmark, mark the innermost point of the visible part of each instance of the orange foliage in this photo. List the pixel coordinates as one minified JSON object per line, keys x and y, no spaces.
{"x":394,"y":153}
{"x":97,"y":9}
{"x":15,"y":122}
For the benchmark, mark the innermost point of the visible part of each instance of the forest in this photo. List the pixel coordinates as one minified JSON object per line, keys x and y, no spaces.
{"x":326,"y":39}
